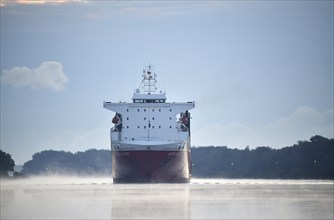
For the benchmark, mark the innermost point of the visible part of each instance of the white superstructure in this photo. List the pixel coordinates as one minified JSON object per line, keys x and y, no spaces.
{"x":149,"y":122}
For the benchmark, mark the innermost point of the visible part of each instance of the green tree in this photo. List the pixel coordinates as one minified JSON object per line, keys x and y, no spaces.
{"x":6,"y":163}
{"x":90,"y":162}
{"x":312,"y":159}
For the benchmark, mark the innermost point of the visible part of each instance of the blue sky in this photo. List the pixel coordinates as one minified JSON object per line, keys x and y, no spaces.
{"x":260,"y":72}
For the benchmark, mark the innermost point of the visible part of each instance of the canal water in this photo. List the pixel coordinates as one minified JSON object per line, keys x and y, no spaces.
{"x":99,"y":198}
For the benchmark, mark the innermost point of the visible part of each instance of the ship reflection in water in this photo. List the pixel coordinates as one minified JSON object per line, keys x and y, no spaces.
{"x":88,"y":198}
{"x":162,"y":201}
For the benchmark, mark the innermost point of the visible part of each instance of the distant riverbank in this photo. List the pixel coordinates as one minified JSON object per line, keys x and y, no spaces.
{"x":311,"y":159}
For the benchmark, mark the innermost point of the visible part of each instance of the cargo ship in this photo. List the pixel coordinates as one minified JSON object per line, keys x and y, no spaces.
{"x":150,"y":139}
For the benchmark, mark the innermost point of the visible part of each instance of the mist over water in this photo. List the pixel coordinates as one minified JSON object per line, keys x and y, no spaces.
{"x":55,"y":197}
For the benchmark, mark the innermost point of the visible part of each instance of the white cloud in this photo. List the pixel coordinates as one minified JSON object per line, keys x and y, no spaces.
{"x":49,"y":75}
{"x":38,"y":2}
{"x":301,"y":124}
{"x":232,"y":135}
{"x":71,"y":139}
{"x":78,"y":140}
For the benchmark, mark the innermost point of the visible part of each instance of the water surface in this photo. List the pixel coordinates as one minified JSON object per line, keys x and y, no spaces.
{"x":99,"y":198}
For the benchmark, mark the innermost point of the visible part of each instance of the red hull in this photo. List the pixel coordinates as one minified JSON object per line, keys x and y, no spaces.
{"x":151,"y":166}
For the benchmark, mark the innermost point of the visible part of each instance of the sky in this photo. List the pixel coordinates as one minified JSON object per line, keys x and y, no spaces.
{"x":260,"y":72}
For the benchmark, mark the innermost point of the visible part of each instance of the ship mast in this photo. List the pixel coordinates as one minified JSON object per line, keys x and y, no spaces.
{"x":149,"y":80}
{"x":148,"y":88}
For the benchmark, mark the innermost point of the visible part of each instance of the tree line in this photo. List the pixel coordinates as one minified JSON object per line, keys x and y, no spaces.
{"x":313,"y":159}
{"x":6,"y":164}
{"x":89,"y":162}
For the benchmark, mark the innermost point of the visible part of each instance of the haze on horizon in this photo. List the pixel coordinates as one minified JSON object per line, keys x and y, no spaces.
{"x":260,"y":72}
